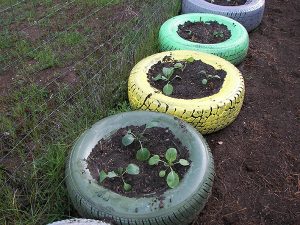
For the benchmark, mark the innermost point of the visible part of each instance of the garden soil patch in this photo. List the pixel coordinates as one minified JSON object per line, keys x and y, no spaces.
{"x":227,"y":2}
{"x":210,"y":32}
{"x":189,"y":83}
{"x":110,"y":154}
{"x":257,"y":158}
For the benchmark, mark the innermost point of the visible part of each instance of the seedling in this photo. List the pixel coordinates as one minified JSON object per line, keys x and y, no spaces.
{"x":142,"y":154}
{"x":218,"y":34}
{"x":131,"y":169}
{"x":167,"y":73}
{"x":170,"y":156}
{"x":208,"y":77}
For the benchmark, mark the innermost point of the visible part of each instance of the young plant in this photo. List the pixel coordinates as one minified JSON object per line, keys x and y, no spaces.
{"x":207,"y":77}
{"x":131,"y":169}
{"x":142,"y":154}
{"x":170,"y":156}
{"x":218,"y":34}
{"x":167,"y":73}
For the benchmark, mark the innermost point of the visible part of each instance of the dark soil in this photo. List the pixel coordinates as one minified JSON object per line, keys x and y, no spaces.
{"x":257,"y":158}
{"x":227,"y":2}
{"x":210,"y":32}
{"x":110,"y":154}
{"x":190,"y":85}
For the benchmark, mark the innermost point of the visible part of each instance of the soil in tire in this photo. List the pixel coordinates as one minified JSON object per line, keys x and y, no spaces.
{"x":189,"y":84}
{"x":210,"y":32}
{"x":110,"y":154}
{"x":227,"y":2}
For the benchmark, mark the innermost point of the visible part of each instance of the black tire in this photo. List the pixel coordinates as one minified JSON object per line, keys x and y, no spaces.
{"x":181,"y":204}
{"x":249,"y":15}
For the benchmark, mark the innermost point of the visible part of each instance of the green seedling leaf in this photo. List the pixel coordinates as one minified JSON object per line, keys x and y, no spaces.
{"x":120,"y":171}
{"x":168,"y":89}
{"x":184,"y":162}
{"x":132,"y":169}
{"x":158,"y":77}
{"x":171,"y":155}
{"x":190,"y":60}
{"x":143,"y":154}
{"x":152,"y":124}
{"x":178,"y":66}
{"x":154,"y":160}
{"x":172,"y":179}
{"x":217,"y":76}
{"x":102,"y":176}
{"x":168,"y":72}
{"x":127,"y":139}
{"x":162,"y":173}
{"x":111,"y":174}
{"x":204,"y":81}
{"x":164,"y":78}
{"x":127,"y":187}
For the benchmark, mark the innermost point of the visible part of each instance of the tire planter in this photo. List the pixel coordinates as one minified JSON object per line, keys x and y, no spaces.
{"x":181,"y":204}
{"x":233,"y":50}
{"x":207,"y":114}
{"x":249,"y":15}
{"x":79,"y":222}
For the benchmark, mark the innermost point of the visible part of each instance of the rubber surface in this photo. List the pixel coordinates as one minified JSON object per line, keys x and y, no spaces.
{"x":234,"y":49}
{"x":249,"y":15}
{"x":180,"y":205}
{"x":207,"y":114}
{"x":79,"y":222}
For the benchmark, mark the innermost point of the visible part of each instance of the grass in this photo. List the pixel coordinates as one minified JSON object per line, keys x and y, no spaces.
{"x":39,"y":122}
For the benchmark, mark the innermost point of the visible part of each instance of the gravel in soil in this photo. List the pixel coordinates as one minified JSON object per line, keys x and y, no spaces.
{"x":227,"y":2}
{"x":189,"y":83}
{"x":110,"y":154}
{"x":257,"y":159}
{"x":210,"y":32}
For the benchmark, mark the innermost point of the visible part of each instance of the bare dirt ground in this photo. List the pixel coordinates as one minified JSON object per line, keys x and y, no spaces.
{"x":257,"y":158}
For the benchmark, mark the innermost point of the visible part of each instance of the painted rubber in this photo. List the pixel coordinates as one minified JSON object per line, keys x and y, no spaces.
{"x":180,"y":205}
{"x":249,"y":15}
{"x":207,"y":114}
{"x":79,"y":222}
{"x":233,"y":50}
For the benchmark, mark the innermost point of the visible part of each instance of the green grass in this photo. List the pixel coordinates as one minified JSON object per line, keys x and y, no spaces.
{"x":41,"y":123}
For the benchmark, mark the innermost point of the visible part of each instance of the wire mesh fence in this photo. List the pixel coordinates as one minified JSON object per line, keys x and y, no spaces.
{"x":47,"y":107}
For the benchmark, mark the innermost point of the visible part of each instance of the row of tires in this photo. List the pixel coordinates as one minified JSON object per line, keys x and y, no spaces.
{"x":207,"y":115}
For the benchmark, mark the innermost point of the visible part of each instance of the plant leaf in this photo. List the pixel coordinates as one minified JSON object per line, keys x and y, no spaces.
{"x":164,"y":78}
{"x":158,"y":77}
{"x":172,"y":179}
{"x":154,"y":160}
{"x":168,"y":89}
{"x":184,"y":162}
{"x":127,"y":187}
{"x":190,"y":60}
{"x":171,"y":155}
{"x":142,"y":154}
{"x":178,"y":66}
{"x":204,"y":81}
{"x":152,"y":124}
{"x":127,"y":139}
{"x":102,"y":176}
{"x":217,"y":76}
{"x":111,"y":174}
{"x":162,"y":173}
{"x":168,"y":72}
{"x":120,"y":170}
{"x":132,"y":169}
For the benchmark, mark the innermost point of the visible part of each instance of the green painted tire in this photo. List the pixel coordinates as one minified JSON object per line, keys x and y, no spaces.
{"x":181,"y":204}
{"x":233,"y":50}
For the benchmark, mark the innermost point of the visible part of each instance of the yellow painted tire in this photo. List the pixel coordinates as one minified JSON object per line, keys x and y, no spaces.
{"x":207,"y":114}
